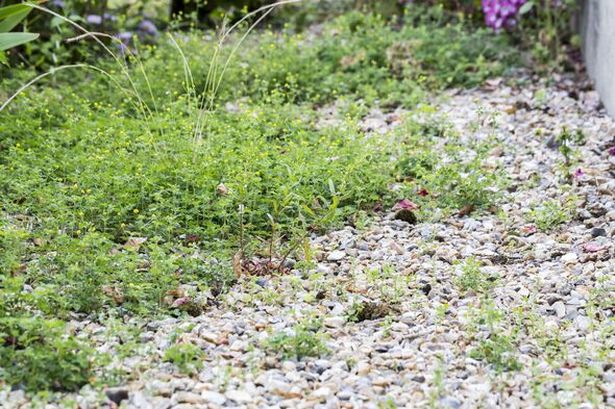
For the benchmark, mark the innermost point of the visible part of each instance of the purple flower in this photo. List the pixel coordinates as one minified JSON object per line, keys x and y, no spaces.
{"x":578,"y":173}
{"x":94,"y":19}
{"x":611,"y":151}
{"x":147,"y":27}
{"x":125,"y":36}
{"x":501,"y":13}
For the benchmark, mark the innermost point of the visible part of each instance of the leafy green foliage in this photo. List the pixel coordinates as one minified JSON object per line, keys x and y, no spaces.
{"x":304,"y":341}
{"x":499,"y":345}
{"x":447,"y":179}
{"x":472,"y":278}
{"x":498,"y":351}
{"x":551,"y":214}
{"x":187,"y":357}
{"x":36,"y":354}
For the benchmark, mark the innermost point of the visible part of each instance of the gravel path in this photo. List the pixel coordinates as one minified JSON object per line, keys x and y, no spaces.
{"x":401,"y":330}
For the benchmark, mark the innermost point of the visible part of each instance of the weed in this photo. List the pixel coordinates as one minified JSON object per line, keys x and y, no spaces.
{"x":497,"y":343}
{"x":472,"y":278}
{"x":386,"y":325}
{"x":37,"y":355}
{"x":497,"y":350}
{"x":566,"y":142}
{"x":110,"y":196}
{"x":552,"y":213}
{"x":438,"y":389}
{"x":305,"y":340}
{"x":187,"y":357}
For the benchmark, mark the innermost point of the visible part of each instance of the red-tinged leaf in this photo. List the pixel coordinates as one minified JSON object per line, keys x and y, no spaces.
{"x":423,"y":192}
{"x":529,"y":229}
{"x":405,"y":204}
{"x":180,"y":301}
{"x":593,"y":247}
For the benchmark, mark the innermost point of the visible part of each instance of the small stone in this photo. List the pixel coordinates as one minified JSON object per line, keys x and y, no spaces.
{"x":213,"y":397}
{"x":209,"y":337}
{"x":559,"y":308}
{"x":336,"y":255}
{"x":582,"y":323}
{"x":321,"y":394}
{"x":381,"y":382}
{"x":239,"y":396}
{"x":189,"y":397}
{"x":117,"y":395}
{"x":598,"y":232}
{"x":363,"y":368}
{"x":569,"y":258}
{"x":334,"y":322}
{"x":449,"y":402}
{"x":138,"y":400}
{"x":289,"y":366}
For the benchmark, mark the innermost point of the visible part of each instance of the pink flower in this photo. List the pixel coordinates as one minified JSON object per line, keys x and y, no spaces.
{"x":578,"y":173}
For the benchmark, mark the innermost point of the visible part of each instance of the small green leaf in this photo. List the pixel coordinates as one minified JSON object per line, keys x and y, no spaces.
{"x":526,"y":8}
{"x":10,"y":40}
{"x":3,"y":59}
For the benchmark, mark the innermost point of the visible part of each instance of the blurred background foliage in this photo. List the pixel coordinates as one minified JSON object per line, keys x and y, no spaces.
{"x":143,"y":20}
{"x":544,"y":29}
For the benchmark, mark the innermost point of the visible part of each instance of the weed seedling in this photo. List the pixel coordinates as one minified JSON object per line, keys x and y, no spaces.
{"x":566,"y":141}
{"x":472,"y":278}
{"x":551,"y":214}
{"x":187,"y":357}
{"x":305,"y":340}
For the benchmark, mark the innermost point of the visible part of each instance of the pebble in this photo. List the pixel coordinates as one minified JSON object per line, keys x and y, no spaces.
{"x":239,"y":396}
{"x":336,"y":255}
{"x":569,"y":258}
{"x":213,"y":397}
{"x":334,"y":322}
{"x":559,"y":308}
{"x":189,"y":397}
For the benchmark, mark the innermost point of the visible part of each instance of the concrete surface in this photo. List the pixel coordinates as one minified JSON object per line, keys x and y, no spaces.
{"x":598,"y":34}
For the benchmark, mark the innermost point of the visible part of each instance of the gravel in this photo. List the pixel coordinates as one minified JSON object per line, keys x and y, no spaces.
{"x":552,"y":291}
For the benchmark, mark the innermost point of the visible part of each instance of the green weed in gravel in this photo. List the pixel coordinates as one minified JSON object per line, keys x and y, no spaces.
{"x":306,"y":340}
{"x":552,"y":213}
{"x":472,"y":278}
{"x":187,"y":357}
{"x":36,"y":354}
